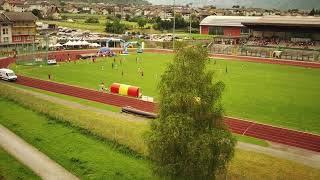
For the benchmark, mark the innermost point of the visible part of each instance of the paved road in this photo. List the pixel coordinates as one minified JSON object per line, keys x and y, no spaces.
{"x":38,"y":162}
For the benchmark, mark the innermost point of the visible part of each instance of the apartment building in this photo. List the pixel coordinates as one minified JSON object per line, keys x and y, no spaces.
{"x":17,"y":28}
{"x":5,"y":30}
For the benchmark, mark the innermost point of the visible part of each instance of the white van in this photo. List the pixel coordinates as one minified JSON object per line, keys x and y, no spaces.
{"x":7,"y":75}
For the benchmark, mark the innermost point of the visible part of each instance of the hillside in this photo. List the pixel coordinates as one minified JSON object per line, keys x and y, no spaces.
{"x":112,"y":1}
{"x":267,"y":4}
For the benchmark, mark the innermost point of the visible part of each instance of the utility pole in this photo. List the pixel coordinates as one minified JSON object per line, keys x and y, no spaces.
{"x":174,"y":23}
{"x":47,"y":46}
{"x":190,"y":18}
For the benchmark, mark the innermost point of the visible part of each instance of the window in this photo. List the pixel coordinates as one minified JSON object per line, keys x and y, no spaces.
{"x":5,"y":39}
{"x":29,"y":38}
{"x":216,"y":31}
{"x":245,"y":30}
{"x":5,"y":31}
{"x":18,"y":38}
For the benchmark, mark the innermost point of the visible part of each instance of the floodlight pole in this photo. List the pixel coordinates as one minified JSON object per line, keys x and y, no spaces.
{"x":190,"y":19}
{"x":174,"y":23}
{"x":47,"y":46}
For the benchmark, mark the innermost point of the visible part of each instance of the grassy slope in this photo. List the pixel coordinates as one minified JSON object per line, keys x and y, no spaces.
{"x":83,"y":155}
{"x":100,"y":27}
{"x":241,"y":138}
{"x":90,"y":158}
{"x":74,"y":99}
{"x":273,"y":94}
{"x":10,"y":168}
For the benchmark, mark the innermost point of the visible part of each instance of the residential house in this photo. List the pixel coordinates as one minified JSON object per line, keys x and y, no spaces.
{"x":23,"y":26}
{"x":70,"y":8}
{"x":52,"y":12}
{"x":186,"y":14}
{"x":14,"y":5}
{"x":5,"y":30}
{"x":166,"y":14}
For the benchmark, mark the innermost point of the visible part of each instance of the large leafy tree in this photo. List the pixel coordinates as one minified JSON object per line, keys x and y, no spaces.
{"x":115,"y":26}
{"x":141,"y":22}
{"x":189,"y":140}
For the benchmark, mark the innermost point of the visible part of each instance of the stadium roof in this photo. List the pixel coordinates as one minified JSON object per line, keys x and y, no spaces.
{"x":296,"y":21}
{"x":231,"y":21}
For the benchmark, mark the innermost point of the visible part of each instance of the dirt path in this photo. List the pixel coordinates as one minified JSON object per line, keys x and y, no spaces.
{"x":38,"y":162}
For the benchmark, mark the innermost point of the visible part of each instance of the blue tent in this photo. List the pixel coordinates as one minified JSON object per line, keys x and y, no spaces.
{"x":105,"y":50}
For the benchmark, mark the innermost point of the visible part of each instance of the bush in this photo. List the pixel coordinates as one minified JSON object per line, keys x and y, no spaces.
{"x":92,"y":20}
{"x":116,"y":27}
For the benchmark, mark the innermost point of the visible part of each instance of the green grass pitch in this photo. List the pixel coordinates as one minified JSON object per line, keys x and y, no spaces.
{"x":273,"y":94}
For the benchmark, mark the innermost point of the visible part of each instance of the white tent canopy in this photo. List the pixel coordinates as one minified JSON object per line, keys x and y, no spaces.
{"x":57,"y":45}
{"x":69,"y":43}
{"x":85,"y":43}
{"x":95,"y":45}
{"x":78,"y":43}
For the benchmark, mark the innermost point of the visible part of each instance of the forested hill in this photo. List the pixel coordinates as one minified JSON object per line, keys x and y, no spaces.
{"x":267,"y":4}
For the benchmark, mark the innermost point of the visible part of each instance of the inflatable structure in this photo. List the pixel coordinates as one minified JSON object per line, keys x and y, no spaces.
{"x":140,"y":47}
{"x":125,"y":90}
{"x":106,"y":52}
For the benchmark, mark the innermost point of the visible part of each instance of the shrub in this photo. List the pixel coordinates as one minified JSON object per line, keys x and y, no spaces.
{"x":92,"y":20}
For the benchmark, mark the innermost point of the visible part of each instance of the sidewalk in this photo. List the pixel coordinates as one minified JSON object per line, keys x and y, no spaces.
{"x":38,"y":162}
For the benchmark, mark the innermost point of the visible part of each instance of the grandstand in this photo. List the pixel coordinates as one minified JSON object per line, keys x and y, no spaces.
{"x":226,"y":29}
{"x":285,"y":31}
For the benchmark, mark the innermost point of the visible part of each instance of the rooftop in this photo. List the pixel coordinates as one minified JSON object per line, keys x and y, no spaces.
{"x":305,"y":21}
{"x":232,"y":21}
{"x":20,"y":16}
{"x":3,"y":19}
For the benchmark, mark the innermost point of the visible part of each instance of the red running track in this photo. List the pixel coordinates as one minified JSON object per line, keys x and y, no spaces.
{"x":269,"y":60}
{"x":261,"y":131}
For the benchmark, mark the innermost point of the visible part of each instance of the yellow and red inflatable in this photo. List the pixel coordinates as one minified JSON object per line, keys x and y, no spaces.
{"x":124,"y":89}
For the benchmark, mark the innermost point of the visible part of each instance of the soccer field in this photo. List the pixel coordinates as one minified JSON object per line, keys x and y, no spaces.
{"x":273,"y":94}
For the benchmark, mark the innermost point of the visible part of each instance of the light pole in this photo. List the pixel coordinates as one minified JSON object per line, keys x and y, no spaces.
{"x":174,"y":23}
{"x":190,"y":18}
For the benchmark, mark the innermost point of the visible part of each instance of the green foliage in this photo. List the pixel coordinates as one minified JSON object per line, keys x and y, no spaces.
{"x":92,"y":20}
{"x":142,"y":22}
{"x":168,"y":24}
{"x":115,"y":26}
{"x":37,"y":13}
{"x":190,"y":140}
{"x":314,"y":12}
{"x":127,"y":17}
{"x":195,"y":22}
{"x":103,"y":126}
{"x":84,"y":155}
